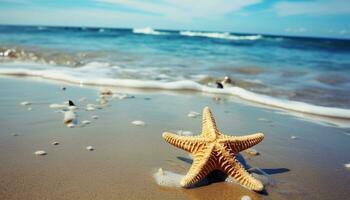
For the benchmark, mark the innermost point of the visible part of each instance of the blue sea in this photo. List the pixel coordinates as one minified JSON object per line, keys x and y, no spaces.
{"x":304,"y":74}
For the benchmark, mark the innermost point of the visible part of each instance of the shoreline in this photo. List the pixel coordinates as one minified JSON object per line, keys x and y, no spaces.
{"x":333,"y":113}
{"x":126,"y":156}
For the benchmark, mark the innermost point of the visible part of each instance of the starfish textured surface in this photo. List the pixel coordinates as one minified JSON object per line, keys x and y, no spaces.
{"x":212,"y":150}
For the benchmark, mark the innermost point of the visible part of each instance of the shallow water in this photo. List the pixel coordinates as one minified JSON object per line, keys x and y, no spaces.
{"x":309,"y":70}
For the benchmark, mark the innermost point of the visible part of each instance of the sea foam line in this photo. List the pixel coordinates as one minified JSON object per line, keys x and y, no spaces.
{"x":72,"y":76}
{"x":219,"y":35}
{"x":147,"y":31}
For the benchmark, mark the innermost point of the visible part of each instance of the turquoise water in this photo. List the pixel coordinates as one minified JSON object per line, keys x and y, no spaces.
{"x":311,"y":70}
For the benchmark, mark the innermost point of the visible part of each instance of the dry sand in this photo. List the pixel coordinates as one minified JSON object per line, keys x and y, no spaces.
{"x":126,"y":156}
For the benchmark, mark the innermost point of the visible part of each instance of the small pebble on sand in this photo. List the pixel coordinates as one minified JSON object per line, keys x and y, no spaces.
{"x":30,"y":108}
{"x":138,"y":123}
{"x":94,"y":117}
{"x":90,"y":148}
{"x":90,"y":107}
{"x":25,"y":103}
{"x":55,"y":143}
{"x":14,"y":134}
{"x":40,"y":153}
{"x":63,"y":88}
{"x":293,"y":137}
{"x":347,"y":165}
{"x":246,"y":197}
{"x":193,"y":114}
{"x":252,"y":151}
{"x":86,"y":122}
{"x":70,"y":125}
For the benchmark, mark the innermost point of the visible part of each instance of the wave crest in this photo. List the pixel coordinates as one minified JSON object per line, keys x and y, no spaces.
{"x":225,"y":35}
{"x":147,"y":31}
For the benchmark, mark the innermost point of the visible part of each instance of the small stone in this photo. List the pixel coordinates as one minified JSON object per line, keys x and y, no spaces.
{"x":40,"y":153}
{"x":70,"y":125}
{"x":25,"y":103}
{"x":293,"y":137}
{"x":161,"y":172}
{"x":347,"y":165}
{"x":85,"y":122}
{"x":148,"y":98}
{"x":63,"y":88}
{"x":29,"y":109}
{"x":14,"y":134}
{"x":94,"y":117}
{"x":193,"y":114}
{"x":70,"y":103}
{"x":246,"y":197}
{"x":55,"y":143}
{"x":90,"y":148}
{"x":90,"y":107}
{"x":138,"y":123}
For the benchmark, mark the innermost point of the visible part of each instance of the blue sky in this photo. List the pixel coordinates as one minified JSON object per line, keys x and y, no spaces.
{"x":325,"y":18}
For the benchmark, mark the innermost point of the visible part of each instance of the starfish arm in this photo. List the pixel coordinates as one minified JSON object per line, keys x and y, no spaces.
{"x":209,"y":128}
{"x":240,"y":143}
{"x":188,"y":143}
{"x":233,"y":168}
{"x":203,"y":164}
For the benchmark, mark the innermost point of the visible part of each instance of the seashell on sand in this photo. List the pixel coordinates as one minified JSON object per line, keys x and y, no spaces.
{"x":90,"y":148}
{"x":69,"y":117}
{"x":40,"y":153}
{"x":193,"y":114}
{"x":70,"y":125}
{"x":85,"y":122}
{"x":293,"y":137}
{"x":138,"y":123}
{"x":55,"y":143}
{"x":25,"y":103}
{"x":90,"y":107}
{"x":94,"y":117}
{"x":246,"y":197}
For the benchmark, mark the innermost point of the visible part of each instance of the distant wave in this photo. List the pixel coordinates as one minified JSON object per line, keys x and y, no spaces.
{"x":219,"y":35}
{"x":95,"y":75}
{"x":148,"y":31}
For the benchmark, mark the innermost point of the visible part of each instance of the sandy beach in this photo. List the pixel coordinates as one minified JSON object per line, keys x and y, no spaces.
{"x":300,"y":159}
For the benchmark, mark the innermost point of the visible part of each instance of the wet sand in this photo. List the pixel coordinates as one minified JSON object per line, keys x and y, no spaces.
{"x":126,"y":156}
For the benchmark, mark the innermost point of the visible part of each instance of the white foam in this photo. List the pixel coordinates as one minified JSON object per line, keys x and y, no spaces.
{"x":220,"y":35}
{"x":167,"y":178}
{"x":148,"y":31}
{"x":97,"y":76}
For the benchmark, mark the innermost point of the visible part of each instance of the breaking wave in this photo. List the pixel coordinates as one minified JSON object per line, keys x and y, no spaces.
{"x":147,"y":31}
{"x":98,"y":75}
{"x":219,"y":35}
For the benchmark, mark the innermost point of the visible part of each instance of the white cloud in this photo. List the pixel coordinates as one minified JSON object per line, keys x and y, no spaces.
{"x":184,"y":9}
{"x":317,"y":7}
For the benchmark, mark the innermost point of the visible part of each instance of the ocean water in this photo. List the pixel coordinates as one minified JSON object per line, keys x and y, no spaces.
{"x":309,"y":75}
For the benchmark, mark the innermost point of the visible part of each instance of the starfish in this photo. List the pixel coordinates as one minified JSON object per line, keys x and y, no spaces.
{"x":212,"y":150}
